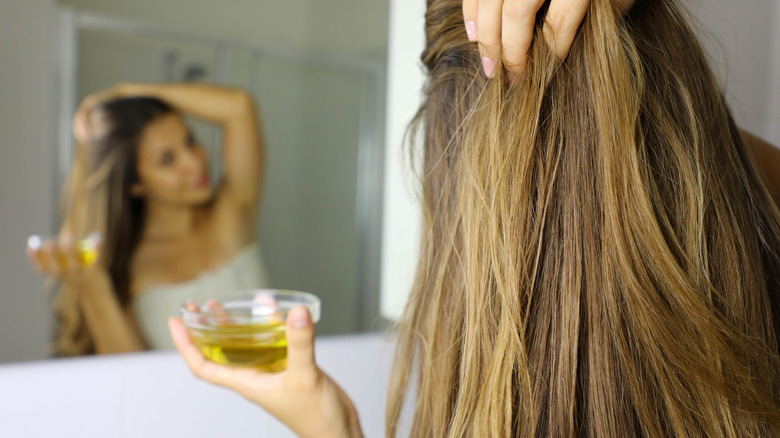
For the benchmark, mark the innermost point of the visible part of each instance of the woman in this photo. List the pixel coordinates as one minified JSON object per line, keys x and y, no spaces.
{"x":142,"y":180}
{"x":599,"y":254}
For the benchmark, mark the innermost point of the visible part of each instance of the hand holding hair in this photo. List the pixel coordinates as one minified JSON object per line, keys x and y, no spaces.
{"x":504,"y":29}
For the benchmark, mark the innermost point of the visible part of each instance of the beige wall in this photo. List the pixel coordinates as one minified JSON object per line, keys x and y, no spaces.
{"x":27,"y":132}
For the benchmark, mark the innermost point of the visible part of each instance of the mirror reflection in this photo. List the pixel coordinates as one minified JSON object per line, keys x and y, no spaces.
{"x":211,"y":161}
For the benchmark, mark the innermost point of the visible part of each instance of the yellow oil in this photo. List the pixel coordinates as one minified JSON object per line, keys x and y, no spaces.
{"x":86,"y":255}
{"x":86,"y":252}
{"x":259,"y":346}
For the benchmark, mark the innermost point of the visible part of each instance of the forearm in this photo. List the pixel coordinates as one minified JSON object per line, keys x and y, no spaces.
{"x":213,"y":103}
{"x":111,"y":329}
{"x":768,"y":158}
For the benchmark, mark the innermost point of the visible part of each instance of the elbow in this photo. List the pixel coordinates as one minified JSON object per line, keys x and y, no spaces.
{"x":243,"y":101}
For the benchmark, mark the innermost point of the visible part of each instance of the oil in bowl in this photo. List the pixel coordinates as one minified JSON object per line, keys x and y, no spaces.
{"x":247,"y":329}
{"x":260,"y":346}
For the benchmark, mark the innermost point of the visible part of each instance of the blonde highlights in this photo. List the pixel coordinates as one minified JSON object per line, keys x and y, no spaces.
{"x":98,"y":198}
{"x":599,"y":252}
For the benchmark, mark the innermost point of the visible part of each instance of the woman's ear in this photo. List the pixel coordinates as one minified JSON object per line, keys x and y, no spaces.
{"x":137,"y":190}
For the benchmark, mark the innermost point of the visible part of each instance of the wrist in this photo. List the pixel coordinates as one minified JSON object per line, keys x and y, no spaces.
{"x":125,"y":89}
{"x":91,"y":286}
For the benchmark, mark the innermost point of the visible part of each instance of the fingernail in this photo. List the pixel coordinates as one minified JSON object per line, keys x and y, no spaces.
{"x":34,"y":242}
{"x":471,"y":30}
{"x":299,"y":317}
{"x":489,"y":65}
{"x":95,"y":237}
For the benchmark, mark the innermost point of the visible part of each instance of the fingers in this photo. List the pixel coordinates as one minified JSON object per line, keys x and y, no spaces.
{"x":63,"y":257}
{"x":561,"y":24}
{"x":49,"y":259}
{"x":215,"y":309}
{"x":504,"y":29}
{"x":300,"y":345}
{"x":192,"y":306}
{"x":82,"y":129}
{"x":89,"y":249}
{"x":32,"y":256}
{"x":198,"y":364}
{"x":517,"y":31}
{"x":269,"y":307}
{"x":489,"y":34}
{"x":470,"y":8}
{"x":66,"y":253}
{"x":44,"y":258}
{"x":33,"y":248}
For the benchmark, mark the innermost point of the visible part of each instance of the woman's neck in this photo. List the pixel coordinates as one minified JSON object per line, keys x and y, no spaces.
{"x":167,"y":221}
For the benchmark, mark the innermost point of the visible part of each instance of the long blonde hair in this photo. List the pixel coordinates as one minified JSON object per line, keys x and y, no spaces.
{"x":599,"y":253}
{"x":97,"y":198}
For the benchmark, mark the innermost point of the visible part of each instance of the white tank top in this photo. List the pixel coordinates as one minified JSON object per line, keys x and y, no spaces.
{"x":156,"y":304}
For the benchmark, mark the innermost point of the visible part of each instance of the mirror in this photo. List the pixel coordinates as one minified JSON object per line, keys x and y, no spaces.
{"x":316,"y":69}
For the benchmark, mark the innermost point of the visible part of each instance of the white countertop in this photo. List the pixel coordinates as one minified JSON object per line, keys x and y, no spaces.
{"x":153,"y":394}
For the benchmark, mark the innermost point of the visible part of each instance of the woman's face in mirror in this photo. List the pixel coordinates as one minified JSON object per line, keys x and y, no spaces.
{"x":172,"y":166}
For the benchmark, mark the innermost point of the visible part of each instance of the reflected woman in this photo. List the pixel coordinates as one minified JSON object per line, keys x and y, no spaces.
{"x":142,"y":180}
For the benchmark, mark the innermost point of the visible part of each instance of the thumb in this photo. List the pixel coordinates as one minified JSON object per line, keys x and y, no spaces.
{"x":300,"y":341}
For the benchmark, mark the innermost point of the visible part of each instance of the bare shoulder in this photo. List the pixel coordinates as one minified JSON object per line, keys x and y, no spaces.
{"x":757,"y":143}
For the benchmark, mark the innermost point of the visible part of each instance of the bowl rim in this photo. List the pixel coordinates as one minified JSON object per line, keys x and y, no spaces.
{"x":308,"y":299}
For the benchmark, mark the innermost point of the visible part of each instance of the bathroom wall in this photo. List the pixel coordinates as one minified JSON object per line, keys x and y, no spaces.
{"x":27,"y":174}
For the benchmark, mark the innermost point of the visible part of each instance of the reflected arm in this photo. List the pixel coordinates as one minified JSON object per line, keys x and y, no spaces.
{"x":242,"y":143}
{"x":768,"y":158}
{"x":111,"y":328}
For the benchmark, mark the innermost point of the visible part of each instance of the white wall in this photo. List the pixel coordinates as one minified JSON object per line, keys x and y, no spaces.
{"x":739,"y":35}
{"x":401,"y":213}
{"x":27,"y":130}
{"x":315,"y":24}
{"x":772,"y":129}
{"x":153,"y":394}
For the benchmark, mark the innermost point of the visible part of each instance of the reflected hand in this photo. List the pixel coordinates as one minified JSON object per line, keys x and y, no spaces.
{"x":82,"y":126}
{"x":303,"y":397}
{"x":65,"y":261}
{"x":504,"y":29}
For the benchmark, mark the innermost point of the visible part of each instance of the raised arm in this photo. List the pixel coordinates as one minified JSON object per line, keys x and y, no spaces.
{"x":233,"y":110}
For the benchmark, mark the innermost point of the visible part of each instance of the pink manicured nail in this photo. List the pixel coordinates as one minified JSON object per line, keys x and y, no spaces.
{"x":471,"y":30}
{"x":300,"y":317}
{"x":489,"y":65}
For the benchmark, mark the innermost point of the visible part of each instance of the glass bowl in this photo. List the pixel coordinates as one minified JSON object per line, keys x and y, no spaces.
{"x":247,"y":328}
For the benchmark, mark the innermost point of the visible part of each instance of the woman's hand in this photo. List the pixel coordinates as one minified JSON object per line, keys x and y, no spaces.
{"x":504,"y":29}
{"x":82,"y":128}
{"x":67,"y":260}
{"x":303,"y":397}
